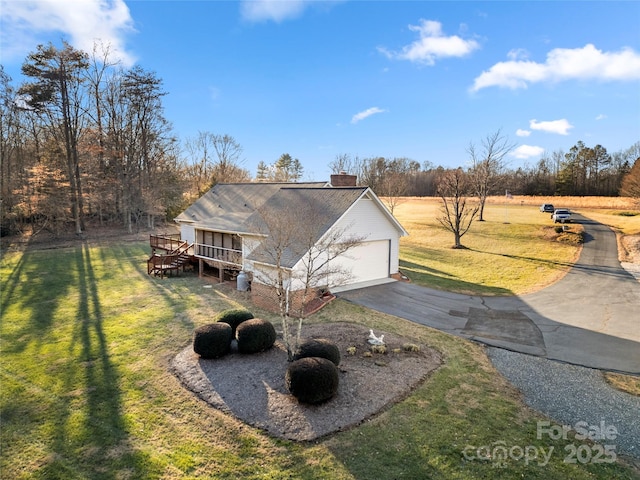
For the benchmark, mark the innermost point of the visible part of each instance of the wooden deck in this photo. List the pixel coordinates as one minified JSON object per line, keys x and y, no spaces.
{"x":170,"y":254}
{"x":178,"y":255}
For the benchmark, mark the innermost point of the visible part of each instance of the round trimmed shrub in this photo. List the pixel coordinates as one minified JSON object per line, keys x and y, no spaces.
{"x":212,"y":340}
{"x":234,"y":317}
{"x":319,"y":347}
{"x":255,"y":335}
{"x":312,"y":379}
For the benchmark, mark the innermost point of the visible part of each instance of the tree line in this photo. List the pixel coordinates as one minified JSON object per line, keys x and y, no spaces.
{"x":582,"y":171}
{"x":85,"y":141}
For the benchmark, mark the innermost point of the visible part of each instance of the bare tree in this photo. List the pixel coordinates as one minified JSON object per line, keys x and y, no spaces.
{"x":393,"y":189}
{"x":227,"y":168}
{"x":346,"y":163}
{"x":298,"y":257}
{"x":456,"y":214}
{"x":487,"y":164}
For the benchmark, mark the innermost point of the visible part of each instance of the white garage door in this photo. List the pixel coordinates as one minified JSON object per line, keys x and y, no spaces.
{"x":369,"y":261}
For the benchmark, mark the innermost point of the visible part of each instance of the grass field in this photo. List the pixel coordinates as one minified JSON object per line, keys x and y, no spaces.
{"x":86,"y":392}
{"x":514,"y":251}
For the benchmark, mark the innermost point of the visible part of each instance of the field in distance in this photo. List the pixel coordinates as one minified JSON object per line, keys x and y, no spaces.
{"x":516,"y":250}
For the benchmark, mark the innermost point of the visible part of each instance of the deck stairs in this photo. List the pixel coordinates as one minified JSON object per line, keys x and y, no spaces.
{"x":174,"y":261}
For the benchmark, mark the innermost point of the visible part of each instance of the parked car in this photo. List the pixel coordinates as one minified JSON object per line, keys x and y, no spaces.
{"x":546,"y":208}
{"x":561,"y":215}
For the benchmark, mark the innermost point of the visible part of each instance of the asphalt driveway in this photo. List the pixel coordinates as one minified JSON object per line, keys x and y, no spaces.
{"x":591,"y":317}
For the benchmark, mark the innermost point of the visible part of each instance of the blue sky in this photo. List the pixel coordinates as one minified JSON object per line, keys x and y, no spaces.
{"x":367,"y":78}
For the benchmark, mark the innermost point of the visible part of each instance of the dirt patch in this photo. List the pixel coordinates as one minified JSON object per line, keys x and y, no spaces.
{"x":572,"y":234}
{"x":630,"y":251}
{"x":252,"y":387}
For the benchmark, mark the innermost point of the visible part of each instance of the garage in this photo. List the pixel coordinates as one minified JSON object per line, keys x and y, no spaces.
{"x":369,"y":261}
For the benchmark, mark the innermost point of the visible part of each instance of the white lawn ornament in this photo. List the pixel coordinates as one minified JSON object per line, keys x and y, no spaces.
{"x":373,"y":340}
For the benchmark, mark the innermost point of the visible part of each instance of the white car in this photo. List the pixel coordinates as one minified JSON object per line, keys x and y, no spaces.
{"x":561,"y":215}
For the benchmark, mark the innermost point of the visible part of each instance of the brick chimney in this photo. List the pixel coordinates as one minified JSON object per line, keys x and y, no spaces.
{"x":343,"y":180}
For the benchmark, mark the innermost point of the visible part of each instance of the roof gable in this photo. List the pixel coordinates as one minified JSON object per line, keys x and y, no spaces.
{"x":296,"y":219}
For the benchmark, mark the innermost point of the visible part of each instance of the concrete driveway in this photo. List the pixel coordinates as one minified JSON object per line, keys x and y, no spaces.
{"x":591,"y":317}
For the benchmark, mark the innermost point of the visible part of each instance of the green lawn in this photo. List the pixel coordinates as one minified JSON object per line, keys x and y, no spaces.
{"x":86,"y":391}
{"x":514,"y":251}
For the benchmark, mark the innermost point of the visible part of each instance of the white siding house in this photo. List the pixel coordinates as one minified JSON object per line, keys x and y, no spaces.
{"x":228,"y":229}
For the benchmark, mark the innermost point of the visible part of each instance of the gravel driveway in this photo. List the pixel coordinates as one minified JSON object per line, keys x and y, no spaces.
{"x":570,"y":394}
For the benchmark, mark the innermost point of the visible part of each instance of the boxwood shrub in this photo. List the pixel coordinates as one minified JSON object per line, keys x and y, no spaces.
{"x":234,"y":317}
{"x":312,"y":379}
{"x":319,"y":347}
{"x":255,"y":335}
{"x":212,"y":340}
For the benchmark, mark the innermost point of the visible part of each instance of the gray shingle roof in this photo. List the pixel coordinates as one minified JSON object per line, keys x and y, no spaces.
{"x":304,"y":211}
{"x":303,"y":216}
{"x":228,"y":205}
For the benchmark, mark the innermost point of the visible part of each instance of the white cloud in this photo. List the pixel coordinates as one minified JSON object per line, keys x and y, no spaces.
{"x":85,"y":22}
{"x":275,"y":10}
{"x":518,"y":54}
{"x":522,"y":133}
{"x":561,"y":127}
{"x":587,"y":63}
{"x":602,"y":116}
{"x":432,"y":45}
{"x":527,"y":151}
{"x":366,"y":113}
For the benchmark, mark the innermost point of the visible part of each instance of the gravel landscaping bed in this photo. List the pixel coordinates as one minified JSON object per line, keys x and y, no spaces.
{"x":252,"y":387}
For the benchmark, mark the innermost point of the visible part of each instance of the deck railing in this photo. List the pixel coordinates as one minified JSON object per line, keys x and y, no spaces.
{"x":168,"y":242}
{"x":175,"y":256}
{"x":224,"y":255}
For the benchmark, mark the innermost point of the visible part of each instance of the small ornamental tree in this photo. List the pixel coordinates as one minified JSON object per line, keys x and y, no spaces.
{"x":298,"y":256}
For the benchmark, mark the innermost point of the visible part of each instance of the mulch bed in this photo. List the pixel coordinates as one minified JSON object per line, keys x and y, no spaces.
{"x":252,"y":387}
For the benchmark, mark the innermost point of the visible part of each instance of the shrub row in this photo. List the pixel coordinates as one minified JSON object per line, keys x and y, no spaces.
{"x":313,"y":375}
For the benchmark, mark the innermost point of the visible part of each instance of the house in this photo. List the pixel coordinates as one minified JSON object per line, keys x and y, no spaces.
{"x":233,"y":228}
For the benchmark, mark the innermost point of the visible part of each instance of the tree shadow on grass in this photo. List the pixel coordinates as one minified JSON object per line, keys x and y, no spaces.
{"x":538,"y":261}
{"x":432,"y":278}
{"x":79,"y":393}
{"x":35,"y":285}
